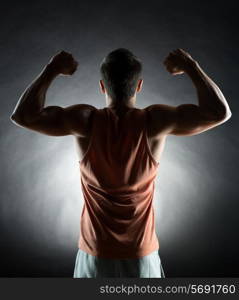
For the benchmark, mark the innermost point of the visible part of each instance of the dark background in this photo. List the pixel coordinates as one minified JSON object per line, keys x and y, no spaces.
{"x":196,"y":200}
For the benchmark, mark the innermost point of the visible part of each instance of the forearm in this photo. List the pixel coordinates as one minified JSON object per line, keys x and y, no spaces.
{"x":32,"y":100}
{"x":210,"y":98}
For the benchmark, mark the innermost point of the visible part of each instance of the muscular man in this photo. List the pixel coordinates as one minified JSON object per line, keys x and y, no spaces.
{"x":119,"y":148}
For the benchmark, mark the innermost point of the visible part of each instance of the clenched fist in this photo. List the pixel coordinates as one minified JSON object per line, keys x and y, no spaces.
{"x":178,"y":62}
{"x":63,"y":63}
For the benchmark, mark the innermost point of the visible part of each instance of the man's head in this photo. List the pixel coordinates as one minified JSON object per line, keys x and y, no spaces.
{"x":121,"y":71}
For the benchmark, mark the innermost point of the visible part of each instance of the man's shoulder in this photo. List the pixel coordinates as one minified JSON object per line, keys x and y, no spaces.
{"x":157,"y":108}
{"x":82,"y":107}
{"x":84,"y":111}
{"x":159,"y":118}
{"x":160,"y":111}
{"x":80,"y":116}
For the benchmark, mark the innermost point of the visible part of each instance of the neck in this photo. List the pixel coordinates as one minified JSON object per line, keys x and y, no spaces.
{"x":121,"y":104}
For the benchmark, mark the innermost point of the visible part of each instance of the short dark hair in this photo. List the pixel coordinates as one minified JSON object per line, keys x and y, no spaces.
{"x":120,"y":71}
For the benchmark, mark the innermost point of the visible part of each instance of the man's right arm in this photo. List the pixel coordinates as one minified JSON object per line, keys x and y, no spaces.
{"x":190,"y":119}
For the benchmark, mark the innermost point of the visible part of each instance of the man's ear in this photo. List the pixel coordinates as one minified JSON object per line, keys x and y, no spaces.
{"x":102,"y":87}
{"x":139,"y":85}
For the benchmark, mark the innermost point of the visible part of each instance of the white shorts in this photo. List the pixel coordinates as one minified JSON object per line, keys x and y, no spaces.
{"x":88,"y":266}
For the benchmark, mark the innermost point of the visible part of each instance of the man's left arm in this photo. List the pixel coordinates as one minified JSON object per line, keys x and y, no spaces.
{"x":51,"y":120}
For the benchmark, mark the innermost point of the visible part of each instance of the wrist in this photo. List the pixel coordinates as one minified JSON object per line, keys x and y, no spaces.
{"x":192,"y":67}
{"x":50,"y":70}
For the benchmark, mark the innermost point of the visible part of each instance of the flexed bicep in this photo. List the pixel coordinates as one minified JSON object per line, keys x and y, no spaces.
{"x":185,"y":119}
{"x":50,"y":121}
{"x":59,"y":121}
{"x":190,"y":119}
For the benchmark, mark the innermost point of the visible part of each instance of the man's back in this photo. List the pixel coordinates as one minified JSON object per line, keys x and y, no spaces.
{"x":155,"y":136}
{"x":161,"y":121}
{"x":117,"y":177}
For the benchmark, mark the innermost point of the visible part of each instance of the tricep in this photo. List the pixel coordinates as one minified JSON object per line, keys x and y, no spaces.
{"x":186,"y":119}
{"x":59,"y":121}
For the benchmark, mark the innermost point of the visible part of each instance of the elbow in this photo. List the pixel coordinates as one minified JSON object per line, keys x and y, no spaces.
{"x":224,"y":113}
{"x":225,"y":117}
{"x":16,"y":119}
{"x":228,"y":115}
{"x":12,"y":117}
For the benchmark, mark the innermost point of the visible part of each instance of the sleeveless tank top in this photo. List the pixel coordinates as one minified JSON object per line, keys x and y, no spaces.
{"x":117,"y":180}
